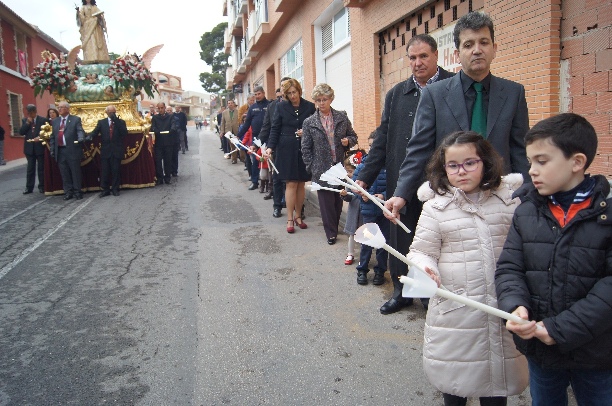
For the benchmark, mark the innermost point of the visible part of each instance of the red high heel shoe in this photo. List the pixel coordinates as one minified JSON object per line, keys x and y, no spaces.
{"x":301,"y":224}
{"x":290,"y":228}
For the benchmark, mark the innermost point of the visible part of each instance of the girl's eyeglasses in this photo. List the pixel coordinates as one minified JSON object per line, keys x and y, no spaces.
{"x":468,"y":166}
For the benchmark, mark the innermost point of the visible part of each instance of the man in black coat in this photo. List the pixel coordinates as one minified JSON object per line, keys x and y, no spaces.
{"x":34,"y":151}
{"x":278,"y":189}
{"x":161,"y":125}
{"x":254,"y":120}
{"x":113,"y":131}
{"x":389,"y":149}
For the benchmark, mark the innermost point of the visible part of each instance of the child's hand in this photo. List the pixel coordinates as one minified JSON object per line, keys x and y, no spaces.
{"x":365,"y":198}
{"x":343,"y":193}
{"x":525,"y":331}
{"x":433,"y":276}
{"x":542,"y":335}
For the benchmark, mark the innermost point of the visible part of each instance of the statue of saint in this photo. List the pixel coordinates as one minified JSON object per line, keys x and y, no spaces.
{"x":92,"y":26}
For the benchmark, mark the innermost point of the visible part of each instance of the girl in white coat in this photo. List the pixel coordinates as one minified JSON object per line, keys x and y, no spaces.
{"x":467,"y":212}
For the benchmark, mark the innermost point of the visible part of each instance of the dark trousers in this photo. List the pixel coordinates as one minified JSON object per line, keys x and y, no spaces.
{"x":401,"y":241}
{"x":248,"y":164}
{"x":110,"y":168}
{"x":381,"y":254}
{"x":70,"y":169}
{"x":452,"y":400}
{"x":163,"y":161}
{"x":278,"y":191}
{"x":175,"y":153}
{"x":254,"y":168}
{"x":549,"y":386}
{"x":330,"y":204}
{"x":33,"y":161}
{"x":225,"y":144}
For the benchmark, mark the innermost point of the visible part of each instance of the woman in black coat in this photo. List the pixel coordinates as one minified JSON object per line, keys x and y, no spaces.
{"x":285,"y":142}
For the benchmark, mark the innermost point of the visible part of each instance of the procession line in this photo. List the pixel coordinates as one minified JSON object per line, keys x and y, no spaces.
{"x":42,"y":239}
{"x":23,"y":211}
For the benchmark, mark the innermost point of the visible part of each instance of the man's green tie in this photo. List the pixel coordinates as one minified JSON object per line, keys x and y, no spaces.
{"x":479,"y":116}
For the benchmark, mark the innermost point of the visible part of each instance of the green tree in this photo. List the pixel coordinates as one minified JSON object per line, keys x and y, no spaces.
{"x":113,"y":56}
{"x":212,"y":45}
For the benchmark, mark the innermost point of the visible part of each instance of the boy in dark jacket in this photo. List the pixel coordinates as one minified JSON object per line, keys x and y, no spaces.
{"x":556,"y":266}
{"x":371,"y":213}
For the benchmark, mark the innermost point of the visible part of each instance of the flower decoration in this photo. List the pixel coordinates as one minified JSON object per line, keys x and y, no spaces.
{"x":128,"y":72}
{"x":54,"y":74}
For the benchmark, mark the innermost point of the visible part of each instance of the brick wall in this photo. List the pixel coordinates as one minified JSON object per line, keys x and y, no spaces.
{"x":586,"y":40}
{"x":526,"y":33}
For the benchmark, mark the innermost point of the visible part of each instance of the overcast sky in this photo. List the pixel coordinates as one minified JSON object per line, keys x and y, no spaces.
{"x":136,"y":26}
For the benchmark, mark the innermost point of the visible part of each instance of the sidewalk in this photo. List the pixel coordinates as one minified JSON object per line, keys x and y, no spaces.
{"x":13,"y":164}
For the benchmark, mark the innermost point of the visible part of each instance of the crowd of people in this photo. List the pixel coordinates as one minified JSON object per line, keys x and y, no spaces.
{"x":502,"y":214}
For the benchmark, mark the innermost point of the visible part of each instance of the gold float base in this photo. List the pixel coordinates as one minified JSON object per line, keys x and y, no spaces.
{"x":91,"y":112}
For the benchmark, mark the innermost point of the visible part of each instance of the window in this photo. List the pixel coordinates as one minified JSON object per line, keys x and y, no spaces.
{"x":21,"y":51}
{"x":15,"y":112}
{"x":336,"y":31}
{"x":292,"y":65}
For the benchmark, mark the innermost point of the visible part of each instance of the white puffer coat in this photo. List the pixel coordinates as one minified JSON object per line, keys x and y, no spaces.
{"x":467,"y":352}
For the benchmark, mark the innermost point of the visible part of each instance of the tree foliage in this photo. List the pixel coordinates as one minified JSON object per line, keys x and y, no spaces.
{"x":212,"y":52}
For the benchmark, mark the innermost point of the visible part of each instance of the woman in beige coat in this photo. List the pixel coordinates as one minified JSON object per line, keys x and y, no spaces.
{"x":468,"y":209}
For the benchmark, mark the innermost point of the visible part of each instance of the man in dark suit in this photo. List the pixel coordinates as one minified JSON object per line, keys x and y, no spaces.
{"x":34,"y":151}
{"x":500,"y":115}
{"x":113,"y":131}
{"x":161,"y":125}
{"x":389,"y":149}
{"x":66,"y":149}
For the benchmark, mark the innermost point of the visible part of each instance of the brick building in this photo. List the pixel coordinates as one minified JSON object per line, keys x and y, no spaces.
{"x":561,"y":51}
{"x":20,"y":47}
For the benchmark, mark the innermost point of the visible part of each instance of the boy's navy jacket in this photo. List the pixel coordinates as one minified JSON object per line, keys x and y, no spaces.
{"x":379,"y":186}
{"x":563,"y":276}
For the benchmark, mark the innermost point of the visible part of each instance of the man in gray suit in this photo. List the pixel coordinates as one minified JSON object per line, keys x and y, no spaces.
{"x":450,"y":106}
{"x":389,"y":150}
{"x":66,"y":149}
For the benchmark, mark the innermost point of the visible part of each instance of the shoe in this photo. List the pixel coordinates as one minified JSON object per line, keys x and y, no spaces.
{"x":167,"y":180}
{"x":175,"y":175}
{"x":268,"y":196}
{"x":233,"y":162}
{"x":253,"y":186}
{"x":27,"y":192}
{"x":379,"y":278}
{"x":276,"y":213}
{"x":331,"y":240}
{"x":290,"y":228}
{"x":104,"y":193}
{"x":362,"y":277}
{"x":349,"y":259}
{"x":301,"y":224}
{"x":41,"y":189}
{"x":68,"y":196}
{"x":78,"y":196}
{"x":115,"y":193}
{"x":159,"y":182}
{"x":395,"y":305}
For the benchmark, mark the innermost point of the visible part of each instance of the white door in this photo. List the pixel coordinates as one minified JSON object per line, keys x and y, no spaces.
{"x":338,"y":75}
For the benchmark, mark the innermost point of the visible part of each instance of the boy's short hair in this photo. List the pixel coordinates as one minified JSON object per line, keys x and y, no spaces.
{"x":569,"y":132}
{"x":492,"y":162}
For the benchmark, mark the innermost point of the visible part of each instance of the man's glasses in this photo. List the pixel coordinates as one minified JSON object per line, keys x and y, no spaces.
{"x":468,"y":166}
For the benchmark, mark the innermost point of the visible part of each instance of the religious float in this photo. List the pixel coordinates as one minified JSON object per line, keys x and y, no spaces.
{"x":89,"y":87}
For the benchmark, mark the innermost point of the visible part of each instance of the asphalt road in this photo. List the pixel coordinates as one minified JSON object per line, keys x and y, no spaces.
{"x":192,"y":294}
